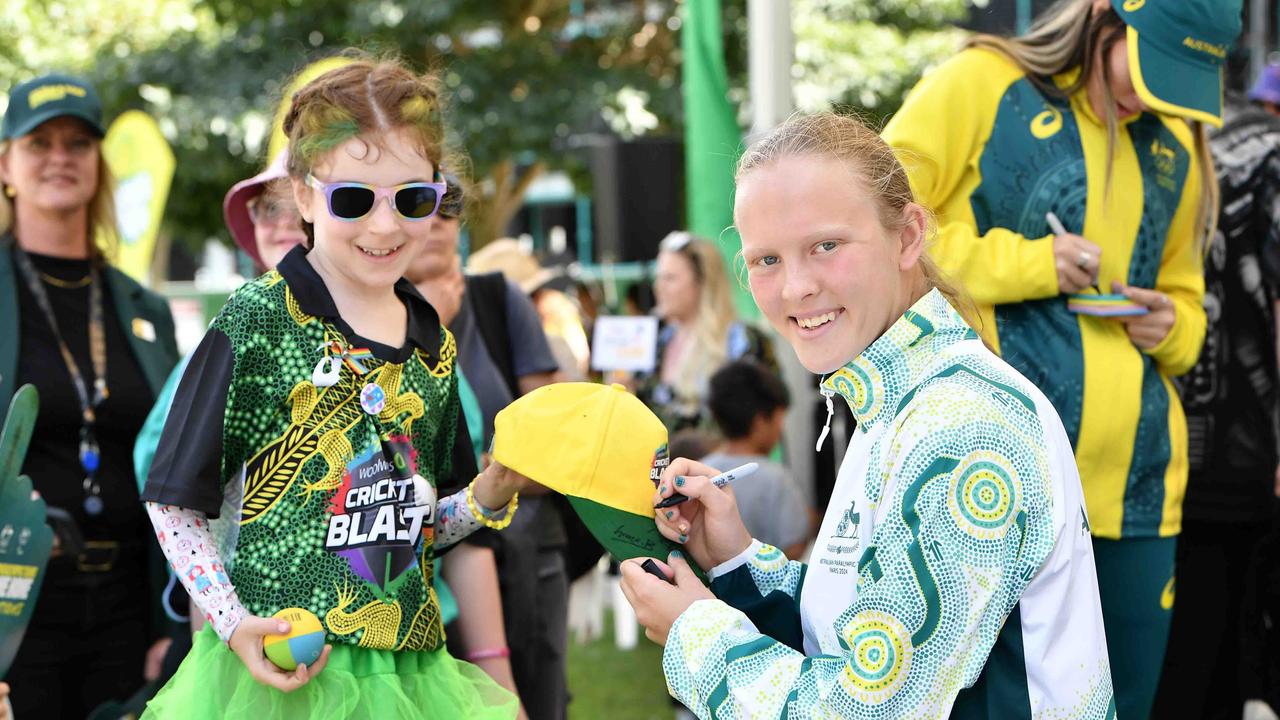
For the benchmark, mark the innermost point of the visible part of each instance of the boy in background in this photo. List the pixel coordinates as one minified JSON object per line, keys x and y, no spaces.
{"x":749,"y":404}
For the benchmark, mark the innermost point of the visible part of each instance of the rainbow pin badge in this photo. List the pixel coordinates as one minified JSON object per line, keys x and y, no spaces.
{"x":352,"y":357}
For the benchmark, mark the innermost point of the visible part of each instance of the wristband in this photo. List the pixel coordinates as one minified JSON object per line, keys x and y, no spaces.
{"x":483,"y":517}
{"x":487,"y":653}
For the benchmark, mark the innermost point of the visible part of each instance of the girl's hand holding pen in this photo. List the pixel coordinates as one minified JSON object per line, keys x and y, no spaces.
{"x":719,"y":481}
{"x":708,"y":525}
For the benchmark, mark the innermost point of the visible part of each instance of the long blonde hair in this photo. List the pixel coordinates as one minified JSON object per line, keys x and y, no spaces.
{"x":715,"y":314}
{"x":849,"y":140}
{"x":1070,"y":35}
{"x":102,"y":212}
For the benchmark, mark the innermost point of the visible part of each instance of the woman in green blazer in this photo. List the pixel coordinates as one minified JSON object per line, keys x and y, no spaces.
{"x":97,"y":346}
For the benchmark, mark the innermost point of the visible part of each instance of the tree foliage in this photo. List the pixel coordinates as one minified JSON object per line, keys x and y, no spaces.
{"x":523,"y":75}
{"x":526,"y":78}
{"x":866,"y":54}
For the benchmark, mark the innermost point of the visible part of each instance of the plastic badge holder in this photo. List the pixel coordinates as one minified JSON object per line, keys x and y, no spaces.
{"x":1104,"y":305}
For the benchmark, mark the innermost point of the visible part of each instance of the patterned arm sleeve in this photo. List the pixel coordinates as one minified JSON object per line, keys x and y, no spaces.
{"x":190,"y":548}
{"x":455,"y":521}
{"x":765,"y":586}
{"x":949,"y":560}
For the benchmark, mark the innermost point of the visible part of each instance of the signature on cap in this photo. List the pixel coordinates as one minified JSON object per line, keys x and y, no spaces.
{"x":645,"y":544}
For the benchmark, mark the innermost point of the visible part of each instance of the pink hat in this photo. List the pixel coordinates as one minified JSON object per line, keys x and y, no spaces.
{"x":235,"y":206}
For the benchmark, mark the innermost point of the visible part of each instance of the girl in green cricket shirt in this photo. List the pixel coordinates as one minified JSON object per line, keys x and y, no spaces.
{"x":307,"y":451}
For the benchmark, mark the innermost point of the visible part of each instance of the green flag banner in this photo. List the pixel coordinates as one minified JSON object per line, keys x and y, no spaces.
{"x":712,"y":139}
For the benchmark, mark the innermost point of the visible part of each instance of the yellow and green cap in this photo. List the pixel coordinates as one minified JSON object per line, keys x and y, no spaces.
{"x":601,"y":448}
{"x":47,"y":97}
{"x":1176,"y":52}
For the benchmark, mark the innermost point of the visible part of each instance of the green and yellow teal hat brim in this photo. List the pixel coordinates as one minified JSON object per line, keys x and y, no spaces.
{"x":1176,"y":50}
{"x":1171,"y":85}
{"x":623,"y":534}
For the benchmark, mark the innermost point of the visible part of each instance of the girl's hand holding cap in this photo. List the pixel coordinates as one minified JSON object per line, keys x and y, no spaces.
{"x":497,"y":484}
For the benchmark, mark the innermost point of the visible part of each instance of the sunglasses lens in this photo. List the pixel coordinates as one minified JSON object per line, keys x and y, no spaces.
{"x":416,"y":202}
{"x":351,"y":203}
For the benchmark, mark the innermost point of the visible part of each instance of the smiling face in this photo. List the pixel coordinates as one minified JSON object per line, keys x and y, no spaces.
{"x":53,"y":168}
{"x":371,"y":253}
{"x":829,"y":276}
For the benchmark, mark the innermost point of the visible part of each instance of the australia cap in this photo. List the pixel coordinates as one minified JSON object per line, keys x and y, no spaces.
{"x":601,"y":448}
{"x":47,"y":97}
{"x":1176,"y":50}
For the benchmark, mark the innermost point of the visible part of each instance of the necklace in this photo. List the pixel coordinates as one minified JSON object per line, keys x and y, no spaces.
{"x":89,"y":450}
{"x":66,"y":284}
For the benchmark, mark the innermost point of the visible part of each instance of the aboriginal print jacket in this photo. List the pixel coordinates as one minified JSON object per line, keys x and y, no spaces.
{"x":953,"y":574}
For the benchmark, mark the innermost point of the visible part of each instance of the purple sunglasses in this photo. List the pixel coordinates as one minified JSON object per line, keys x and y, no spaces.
{"x":351,"y":201}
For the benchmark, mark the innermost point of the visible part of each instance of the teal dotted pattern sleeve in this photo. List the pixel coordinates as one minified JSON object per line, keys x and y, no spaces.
{"x":941,"y":523}
{"x":766,"y":587}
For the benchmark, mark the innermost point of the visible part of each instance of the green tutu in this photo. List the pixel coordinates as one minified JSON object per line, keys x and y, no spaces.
{"x":356,"y":683}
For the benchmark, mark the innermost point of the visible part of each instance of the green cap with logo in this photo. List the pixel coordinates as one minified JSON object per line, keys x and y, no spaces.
{"x":1176,"y":52}
{"x":47,"y":97}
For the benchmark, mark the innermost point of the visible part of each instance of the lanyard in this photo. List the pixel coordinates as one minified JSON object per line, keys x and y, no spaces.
{"x":89,"y":454}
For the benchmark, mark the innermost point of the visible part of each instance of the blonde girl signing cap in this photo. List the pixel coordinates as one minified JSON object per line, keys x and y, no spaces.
{"x":953,"y":572}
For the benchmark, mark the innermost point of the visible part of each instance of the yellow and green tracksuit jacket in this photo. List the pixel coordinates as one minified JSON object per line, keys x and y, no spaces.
{"x":991,"y":154}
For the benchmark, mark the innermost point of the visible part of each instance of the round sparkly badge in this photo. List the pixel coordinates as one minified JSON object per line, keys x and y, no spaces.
{"x":373,"y":399}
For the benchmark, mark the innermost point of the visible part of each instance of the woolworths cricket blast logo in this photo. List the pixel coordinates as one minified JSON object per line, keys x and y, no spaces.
{"x":380,"y":512}
{"x":661,"y":459}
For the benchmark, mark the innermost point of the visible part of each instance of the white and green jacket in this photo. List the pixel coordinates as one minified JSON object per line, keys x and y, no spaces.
{"x":953,"y":574}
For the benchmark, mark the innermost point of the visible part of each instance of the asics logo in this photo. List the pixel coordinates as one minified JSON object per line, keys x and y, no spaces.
{"x":1046,"y":124}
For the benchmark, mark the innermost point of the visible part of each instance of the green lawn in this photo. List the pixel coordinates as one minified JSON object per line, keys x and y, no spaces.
{"x":617,"y":684}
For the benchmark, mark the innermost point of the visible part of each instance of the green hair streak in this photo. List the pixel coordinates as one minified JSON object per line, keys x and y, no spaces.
{"x":324,"y":131}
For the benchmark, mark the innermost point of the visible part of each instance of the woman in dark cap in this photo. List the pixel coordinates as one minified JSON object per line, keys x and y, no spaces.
{"x":97,"y":346}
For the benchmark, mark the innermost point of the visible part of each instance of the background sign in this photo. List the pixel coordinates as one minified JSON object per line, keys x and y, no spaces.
{"x":143,"y":165}
{"x":624,"y":342}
